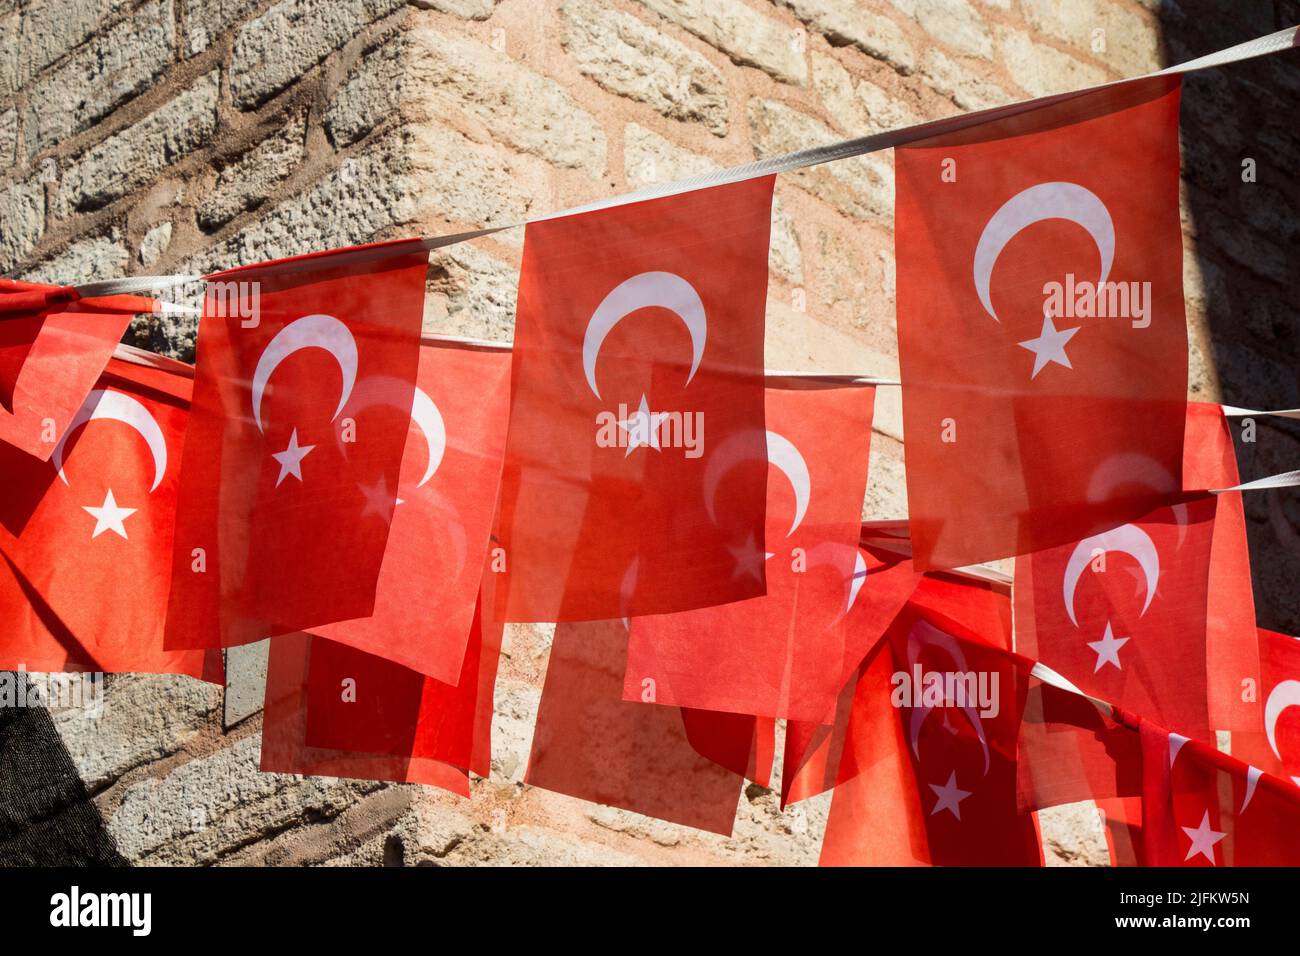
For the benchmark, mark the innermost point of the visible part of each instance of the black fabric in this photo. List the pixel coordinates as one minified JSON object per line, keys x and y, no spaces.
{"x":46,"y":816}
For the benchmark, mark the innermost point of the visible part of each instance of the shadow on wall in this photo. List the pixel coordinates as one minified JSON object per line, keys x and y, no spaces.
{"x":46,"y":816}
{"x":1246,"y":239}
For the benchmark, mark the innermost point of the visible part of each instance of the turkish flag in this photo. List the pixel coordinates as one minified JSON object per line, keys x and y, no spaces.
{"x":779,"y":655}
{"x":333,"y":710}
{"x":303,"y":400}
{"x":1205,"y":808}
{"x":637,"y":379}
{"x":979,"y":606}
{"x":665,"y":762}
{"x":53,"y":347}
{"x":446,"y":498}
{"x":86,"y":537}
{"x":1041,"y":334}
{"x":1122,"y":614}
{"x":928,"y":771}
{"x":1273,"y":744}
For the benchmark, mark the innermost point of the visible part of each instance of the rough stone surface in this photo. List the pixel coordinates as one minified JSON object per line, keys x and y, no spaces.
{"x":46,"y":31}
{"x":1123,"y":39}
{"x":344,"y":207}
{"x":372,"y":93}
{"x":518,"y":106}
{"x":272,"y":51}
{"x":144,"y":718}
{"x":184,"y":816}
{"x":848,"y":23}
{"x":96,"y":257}
{"x":130,"y":158}
{"x":207,"y":20}
{"x":469,"y":9}
{"x":100,"y":76}
{"x":245,"y":682}
{"x":967,"y":89}
{"x":9,"y":136}
{"x":955,"y":23}
{"x":244,"y":185}
{"x":155,"y":243}
{"x":750,"y":38}
{"x":629,"y":57}
{"x":22,"y":220}
{"x":1042,"y":69}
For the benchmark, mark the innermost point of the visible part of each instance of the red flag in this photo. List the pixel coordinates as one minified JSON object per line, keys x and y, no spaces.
{"x":53,"y":348}
{"x":333,"y":710}
{"x":638,"y":357}
{"x":977,"y":602}
{"x":928,"y":773}
{"x":1204,"y":808}
{"x":1122,"y":614}
{"x":1273,"y":744}
{"x":1073,"y":749}
{"x":1231,"y":650}
{"x":1041,"y":331}
{"x":666,"y":762}
{"x":779,"y":655}
{"x":302,"y":405}
{"x":440,"y":527}
{"x":86,"y":537}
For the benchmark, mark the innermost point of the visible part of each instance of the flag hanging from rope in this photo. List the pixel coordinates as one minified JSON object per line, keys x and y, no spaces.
{"x":638,"y":360}
{"x":86,"y":537}
{"x":442,"y":515}
{"x":928,"y":770}
{"x":1122,"y":614}
{"x":1041,"y":334}
{"x":1205,"y":808}
{"x":778,"y":655}
{"x":303,"y":396}
{"x":53,"y":347}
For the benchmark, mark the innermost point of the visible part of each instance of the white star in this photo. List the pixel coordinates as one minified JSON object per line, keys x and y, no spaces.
{"x":1203,"y":840}
{"x":1049,"y":346}
{"x":746,"y":558}
{"x":642,"y":427}
{"x":109,"y":517}
{"x":950,"y":796}
{"x":1107,"y":649}
{"x":291,"y":458}
{"x":379,"y":501}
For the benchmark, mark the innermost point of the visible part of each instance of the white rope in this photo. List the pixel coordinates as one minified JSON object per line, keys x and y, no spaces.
{"x":1231,"y":411}
{"x":859,"y":146}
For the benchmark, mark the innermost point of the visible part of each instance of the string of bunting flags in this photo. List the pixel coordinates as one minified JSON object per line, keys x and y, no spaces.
{"x":380,"y":503}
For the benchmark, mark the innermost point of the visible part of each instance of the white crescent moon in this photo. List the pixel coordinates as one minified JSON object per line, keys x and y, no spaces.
{"x":1129,"y":468}
{"x":1285,"y":694}
{"x":1037,"y":203}
{"x":103,"y":403}
{"x":781,"y":452}
{"x":1252,"y":780}
{"x":664,"y":289}
{"x":310,"y":331}
{"x":1127,"y":539}
{"x":949,"y":644}
{"x":425,"y":414}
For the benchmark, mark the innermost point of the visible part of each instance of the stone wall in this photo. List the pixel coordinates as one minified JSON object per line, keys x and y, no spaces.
{"x":159,"y":136}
